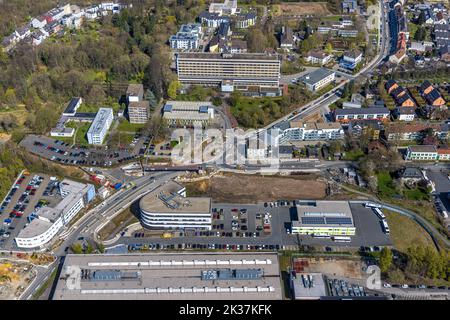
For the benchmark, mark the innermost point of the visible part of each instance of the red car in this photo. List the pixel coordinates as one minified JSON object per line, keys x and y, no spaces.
{"x":18,"y":215}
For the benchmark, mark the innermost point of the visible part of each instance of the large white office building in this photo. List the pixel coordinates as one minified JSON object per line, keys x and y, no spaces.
{"x":48,"y":221}
{"x":102,"y":121}
{"x":168,"y":207}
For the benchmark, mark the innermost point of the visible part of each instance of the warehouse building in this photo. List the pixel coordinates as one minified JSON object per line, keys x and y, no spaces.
{"x":228,"y":71}
{"x":99,"y":127}
{"x":324,"y":218}
{"x":168,"y":207}
{"x":49,"y":220}
{"x":182,"y":113}
{"x":170,"y":276}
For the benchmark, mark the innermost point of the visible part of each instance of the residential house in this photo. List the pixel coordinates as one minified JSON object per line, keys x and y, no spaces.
{"x":38,"y":22}
{"x":405,"y":113}
{"x":351,"y":59}
{"x":431,"y":94}
{"x":444,"y":154}
{"x":318,"y":57}
{"x":410,"y":175}
{"x":286,"y":38}
{"x":349,"y":6}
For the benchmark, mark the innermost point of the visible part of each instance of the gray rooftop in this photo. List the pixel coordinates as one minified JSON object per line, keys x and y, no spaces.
{"x":315,"y":76}
{"x":170,"y":276}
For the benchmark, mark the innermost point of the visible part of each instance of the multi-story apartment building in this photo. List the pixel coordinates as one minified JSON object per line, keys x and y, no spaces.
{"x":229,"y":71}
{"x":311,"y":131}
{"x":374,"y":113}
{"x":138,"y":112}
{"x":416,"y":131}
{"x":187,"y":38}
{"x":102,"y":121}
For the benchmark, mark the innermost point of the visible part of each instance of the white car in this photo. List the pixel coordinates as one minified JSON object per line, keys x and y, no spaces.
{"x":387,"y":285}
{"x":405,"y":286}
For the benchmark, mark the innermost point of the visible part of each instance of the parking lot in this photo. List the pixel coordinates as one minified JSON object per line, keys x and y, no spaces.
{"x":369,"y":232}
{"x":63,"y":153}
{"x":25,"y":196}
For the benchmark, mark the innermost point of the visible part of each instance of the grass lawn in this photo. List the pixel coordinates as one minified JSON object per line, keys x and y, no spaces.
{"x":84,"y":107}
{"x":125,"y":126}
{"x":385,"y":184}
{"x":80,"y":136}
{"x":353,"y":155}
{"x":405,"y":232}
{"x":416,"y":194}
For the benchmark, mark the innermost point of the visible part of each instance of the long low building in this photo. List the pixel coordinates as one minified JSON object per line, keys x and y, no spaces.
{"x":373,"y":113}
{"x":170,"y":276}
{"x":181,"y":113}
{"x":49,"y":220}
{"x":324,"y":218}
{"x":229,"y":71}
{"x":168,"y":207}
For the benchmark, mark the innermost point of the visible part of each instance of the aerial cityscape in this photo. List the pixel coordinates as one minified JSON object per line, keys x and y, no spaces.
{"x":226,"y":150}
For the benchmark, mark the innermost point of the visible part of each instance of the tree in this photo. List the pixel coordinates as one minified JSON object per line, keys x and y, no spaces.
{"x":385,"y":259}
{"x":329,"y":48}
{"x":256,"y":40}
{"x":172,"y":90}
{"x":77,"y":248}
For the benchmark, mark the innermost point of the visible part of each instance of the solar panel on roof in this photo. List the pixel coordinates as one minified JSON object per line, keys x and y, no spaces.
{"x":313,"y":220}
{"x":333,"y":220}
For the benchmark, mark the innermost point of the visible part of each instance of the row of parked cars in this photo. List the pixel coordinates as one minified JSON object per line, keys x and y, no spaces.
{"x":414,"y":286}
{"x":202,"y":246}
{"x":80,"y":155}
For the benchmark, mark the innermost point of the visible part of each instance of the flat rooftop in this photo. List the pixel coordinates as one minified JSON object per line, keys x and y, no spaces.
{"x":100,"y":120}
{"x":170,"y":276}
{"x":228,"y":56}
{"x":316,"y":76}
{"x":313,"y":213}
{"x":167,"y":199}
{"x":135,"y":89}
{"x":34,"y":229}
{"x":309,"y":286}
{"x":187,"y":110}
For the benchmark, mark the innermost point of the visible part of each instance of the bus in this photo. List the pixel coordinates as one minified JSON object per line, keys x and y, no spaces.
{"x":341,"y":239}
{"x":372,"y":205}
{"x":379,"y":213}
{"x":321,"y":236}
{"x":385,"y":226}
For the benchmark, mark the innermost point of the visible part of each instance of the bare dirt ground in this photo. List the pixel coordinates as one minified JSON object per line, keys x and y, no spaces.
{"x":334,"y":267}
{"x":241,"y":188}
{"x":14,"y":277}
{"x":304,"y":8}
